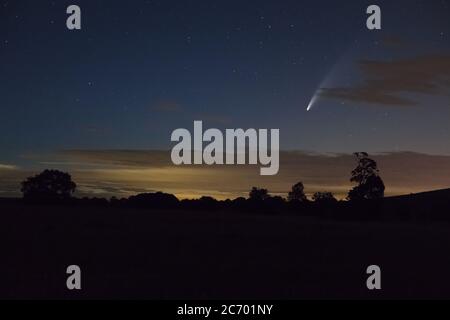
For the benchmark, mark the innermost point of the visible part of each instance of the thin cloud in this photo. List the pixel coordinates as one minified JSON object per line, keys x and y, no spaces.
{"x":8,"y":167}
{"x":395,"y":42}
{"x":167,"y":106}
{"x":386,"y":82}
{"x":106,"y":159}
{"x":125,"y":172}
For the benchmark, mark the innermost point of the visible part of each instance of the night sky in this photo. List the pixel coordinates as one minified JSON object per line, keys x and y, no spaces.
{"x":140,"y":69}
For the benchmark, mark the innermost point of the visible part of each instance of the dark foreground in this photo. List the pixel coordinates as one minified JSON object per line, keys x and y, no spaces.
{"x":144,"y":254}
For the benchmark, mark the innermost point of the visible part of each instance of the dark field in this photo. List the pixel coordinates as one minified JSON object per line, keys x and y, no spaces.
{"x":138,"y":253}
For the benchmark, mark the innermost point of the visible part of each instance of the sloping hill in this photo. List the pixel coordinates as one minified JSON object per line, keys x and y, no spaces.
{"x":432,"y":205}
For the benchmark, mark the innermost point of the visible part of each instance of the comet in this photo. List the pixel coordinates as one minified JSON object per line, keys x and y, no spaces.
{"x":311,"y":103}
{"x":329,"y":78}
{"x":316,"y":95}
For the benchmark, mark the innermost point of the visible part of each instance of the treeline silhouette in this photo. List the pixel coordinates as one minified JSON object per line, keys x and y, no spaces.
{"x":364,"y":202}
{"x":54,"y":185}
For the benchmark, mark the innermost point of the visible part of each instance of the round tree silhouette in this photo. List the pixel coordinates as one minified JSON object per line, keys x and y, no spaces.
{"x":48,"y":185}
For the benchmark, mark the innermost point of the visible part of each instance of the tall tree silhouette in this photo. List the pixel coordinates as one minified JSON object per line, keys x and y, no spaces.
{"x":297,"y":193}
{"x":366,"y":175}
{"x":48,"y":185}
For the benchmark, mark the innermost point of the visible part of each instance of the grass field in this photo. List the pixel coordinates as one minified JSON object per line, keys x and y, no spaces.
{"x":127,"y":253}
